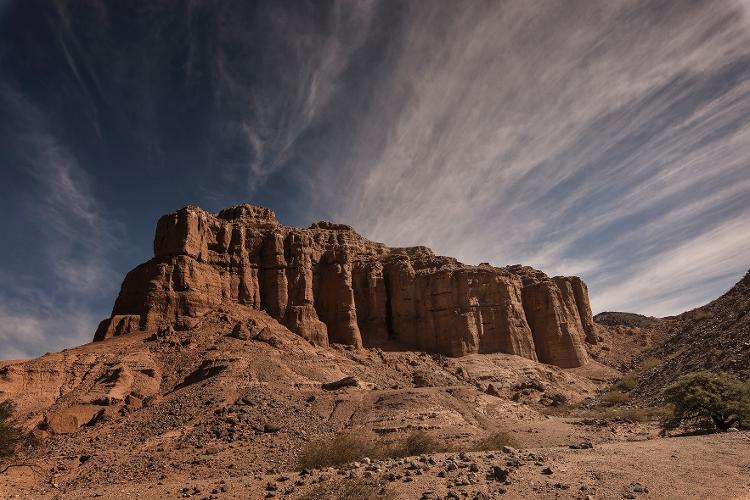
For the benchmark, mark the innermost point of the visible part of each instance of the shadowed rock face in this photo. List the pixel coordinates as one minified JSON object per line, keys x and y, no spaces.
{"x":329,"y":284}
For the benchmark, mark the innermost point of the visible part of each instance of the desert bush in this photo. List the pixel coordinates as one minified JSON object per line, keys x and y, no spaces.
{"x":707,"y":399}
{"x":627,"y":382}
{"x":614,"y":397}
{"x":649,"y":363}
{"x":420,"y":442}
{"x":335,"y":450}
{"x":10,"y":432}
{"x":351,"y":489}
{"x":630,"y":414}
{"x":648,"y":414}
{"x":347,"y":447}
{"x":495,"y":442}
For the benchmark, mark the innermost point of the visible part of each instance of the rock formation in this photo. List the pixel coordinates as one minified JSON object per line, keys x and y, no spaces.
{"x":329,"y":284}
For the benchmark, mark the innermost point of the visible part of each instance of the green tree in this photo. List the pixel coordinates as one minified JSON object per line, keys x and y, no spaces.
{"x":708,"y":399}
{"x":10,"y":433}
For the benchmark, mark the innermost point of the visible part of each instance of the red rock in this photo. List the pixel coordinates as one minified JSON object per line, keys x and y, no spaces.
{"x":329,"y":284}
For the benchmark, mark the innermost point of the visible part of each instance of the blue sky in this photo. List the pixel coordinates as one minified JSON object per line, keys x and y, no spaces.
{"x":605,"y":139}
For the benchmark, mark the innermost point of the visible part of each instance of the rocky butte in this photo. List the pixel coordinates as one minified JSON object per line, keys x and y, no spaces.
{"x":328,"y":284}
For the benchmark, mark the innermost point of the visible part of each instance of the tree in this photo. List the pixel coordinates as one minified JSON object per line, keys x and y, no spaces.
{"x":10,"y":433}
{"x":708,"y":399}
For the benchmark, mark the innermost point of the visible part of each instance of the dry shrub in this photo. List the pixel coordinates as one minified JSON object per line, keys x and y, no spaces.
{"x":350,"y":489}
{"x":419,"y":442}
{"x":495,"y":442}
{"x":614,"y":397}
{"x":650,"y":363}
{"x":347,"y":447}
{"x":10,"y":432}
{"x":627,"y":382}
{"x":336,"y":450}
{"x":632,"y":414}
{"x":641,"y":415}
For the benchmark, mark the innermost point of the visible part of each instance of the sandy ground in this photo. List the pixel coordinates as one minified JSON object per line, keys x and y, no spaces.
{"x":709,"y":467}
{"x":203,"y":415}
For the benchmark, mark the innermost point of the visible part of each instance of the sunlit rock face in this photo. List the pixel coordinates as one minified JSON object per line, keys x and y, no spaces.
{"x":328,"y":284}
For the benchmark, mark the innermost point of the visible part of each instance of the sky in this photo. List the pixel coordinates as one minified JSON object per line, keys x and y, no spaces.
{"x":609,"y":140}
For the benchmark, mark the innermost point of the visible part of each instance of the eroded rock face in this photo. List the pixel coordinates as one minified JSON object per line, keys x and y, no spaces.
{"x":329,"y":284}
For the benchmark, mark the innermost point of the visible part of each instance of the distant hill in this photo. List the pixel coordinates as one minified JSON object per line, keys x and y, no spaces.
{"x":612,"y":318}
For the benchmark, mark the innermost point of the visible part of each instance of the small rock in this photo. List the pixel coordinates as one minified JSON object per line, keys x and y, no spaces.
{"x":639,"y":488}
{"x":269,"y":428}
{"x":499,"y":474}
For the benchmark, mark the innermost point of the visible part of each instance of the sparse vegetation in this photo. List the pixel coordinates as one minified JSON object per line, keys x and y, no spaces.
{"x":708,"y":400}
{"x":420,"y":442}
{"x":495,"y":442}
{"x":627,"y":382}
{"x":336,"y":450}
{"x":649,"y":363}
{"x":347,"y":447}
{"x":10,"y":432}
{"x":614,"y":397}
{"x":352,"y":489}
{"x":627,"y":414}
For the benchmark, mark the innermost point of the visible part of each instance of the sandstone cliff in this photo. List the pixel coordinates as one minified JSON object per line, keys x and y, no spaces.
{"x":327,"y":284}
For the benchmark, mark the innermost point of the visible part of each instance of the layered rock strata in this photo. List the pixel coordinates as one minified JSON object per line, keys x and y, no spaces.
{"x":329,"y":284}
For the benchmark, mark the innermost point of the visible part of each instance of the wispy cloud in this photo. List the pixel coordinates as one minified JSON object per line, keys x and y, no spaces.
{"x":33,"y":328}
{"x":266,"y":97}
{"x":610,"y":140}
{"x":76,"y":234}
{"x":73,"y":233}
{"x":667,"y":282}
{"x":574,"y":137}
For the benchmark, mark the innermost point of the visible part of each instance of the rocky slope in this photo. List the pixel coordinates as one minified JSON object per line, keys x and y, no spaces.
{"x":611,"y":318}
{"x":712,"y":337}
{"x":239,"y":388}
{"x":328,"y":284}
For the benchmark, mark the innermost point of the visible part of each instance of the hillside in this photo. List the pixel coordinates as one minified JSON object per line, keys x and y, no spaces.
{"x":711,"y":337}
{"x":611,"y":318}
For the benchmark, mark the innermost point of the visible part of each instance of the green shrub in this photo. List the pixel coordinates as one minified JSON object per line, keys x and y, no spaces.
{"x":10,"y":432}
{"x":706,"y":399}
{"x":495,"y":442}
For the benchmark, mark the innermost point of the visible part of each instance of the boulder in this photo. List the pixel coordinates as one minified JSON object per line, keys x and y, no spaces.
{"x":70,"y":419}
{"x":340,"y":384}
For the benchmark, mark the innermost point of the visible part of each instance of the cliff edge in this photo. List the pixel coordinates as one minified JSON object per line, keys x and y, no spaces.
{"x":328,"y":284}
